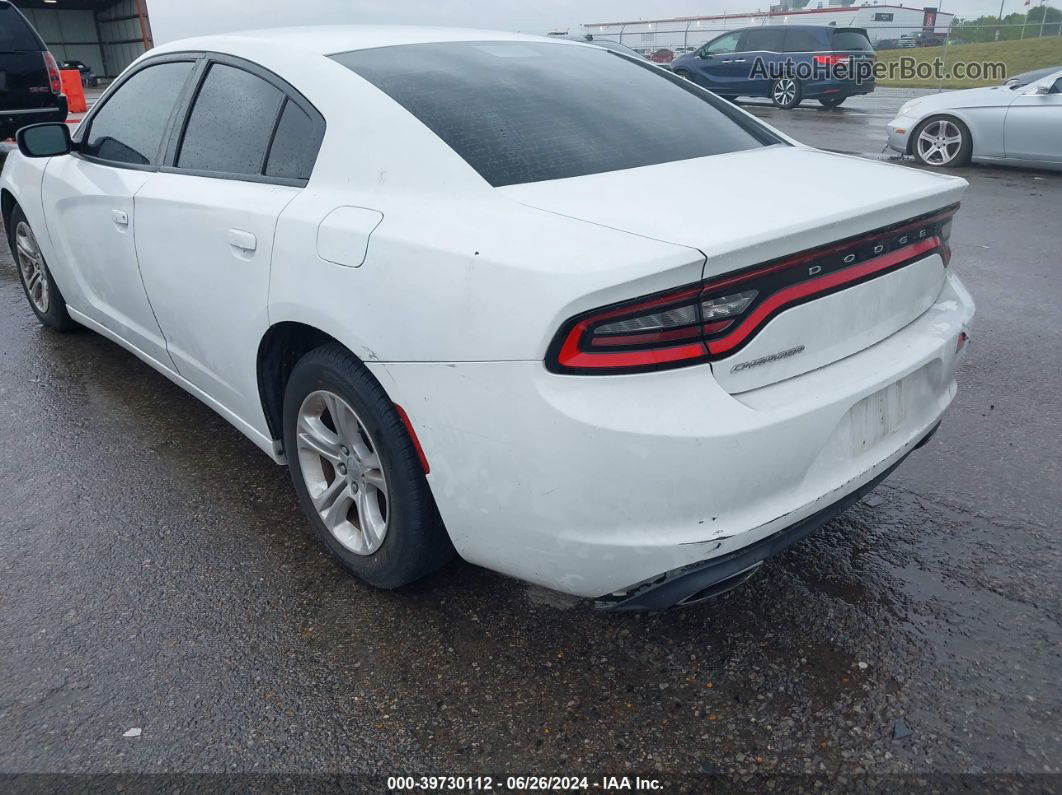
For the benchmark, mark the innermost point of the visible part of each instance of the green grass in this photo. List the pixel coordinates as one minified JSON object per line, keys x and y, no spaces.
{"x":1018,"y":56}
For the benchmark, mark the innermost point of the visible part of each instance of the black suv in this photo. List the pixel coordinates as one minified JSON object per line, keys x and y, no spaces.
{"x":30,"y":88}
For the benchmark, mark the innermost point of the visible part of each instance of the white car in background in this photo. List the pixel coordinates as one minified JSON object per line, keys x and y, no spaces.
{"x":406,"y":263}
{"x":1017,"y":123}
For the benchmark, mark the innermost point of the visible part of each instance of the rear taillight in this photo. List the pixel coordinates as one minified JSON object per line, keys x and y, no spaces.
{"x":831,"y":60}
{"x":717,"y":317}
{"x":53,"y":73}
{"x":945,"y":240}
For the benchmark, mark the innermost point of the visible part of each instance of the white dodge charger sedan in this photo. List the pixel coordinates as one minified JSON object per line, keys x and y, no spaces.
{"x":434,"y":272}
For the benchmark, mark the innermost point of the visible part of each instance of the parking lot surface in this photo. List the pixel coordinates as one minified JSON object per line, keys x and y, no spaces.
{"x":156,"y":574}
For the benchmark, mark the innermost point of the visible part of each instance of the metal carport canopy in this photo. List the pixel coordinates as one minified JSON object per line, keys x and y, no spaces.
{"x":106,"y":34}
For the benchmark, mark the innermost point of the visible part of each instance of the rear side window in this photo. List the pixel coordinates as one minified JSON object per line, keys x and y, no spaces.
{"x":527,"y":111}
{"x":16,"y":35}
{"x":803,"y":41}
{"x":851,"y":40}
{"x":130,"y":126}
{"x":295,"y":145}
{"x":762,"y":41}
{"x":230,"y":124}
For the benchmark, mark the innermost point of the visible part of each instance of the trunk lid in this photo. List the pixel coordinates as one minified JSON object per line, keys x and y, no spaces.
{"x":747,"y":208}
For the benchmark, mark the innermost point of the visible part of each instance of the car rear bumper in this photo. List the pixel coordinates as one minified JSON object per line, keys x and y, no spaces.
{"x":598,"y":485}
{"x":834,"y":88}
{"x":699,"y":582}
{"x":15,"y":119}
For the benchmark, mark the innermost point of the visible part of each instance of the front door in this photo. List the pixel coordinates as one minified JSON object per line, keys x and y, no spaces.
{"x":89,"y":204}
{"x":721,"y":66}
{"x":1033,"y":128}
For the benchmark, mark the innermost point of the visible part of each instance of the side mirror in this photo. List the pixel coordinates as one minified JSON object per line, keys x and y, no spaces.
{"x":44,"y":140}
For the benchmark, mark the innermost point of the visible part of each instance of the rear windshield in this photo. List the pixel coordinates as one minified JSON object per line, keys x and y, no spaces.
{"x":15,"y":33}
{"x":851,"y":40}
{"x":527,"y":111}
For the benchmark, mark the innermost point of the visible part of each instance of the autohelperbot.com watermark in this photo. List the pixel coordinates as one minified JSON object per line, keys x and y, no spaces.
{"x":864,"y":70}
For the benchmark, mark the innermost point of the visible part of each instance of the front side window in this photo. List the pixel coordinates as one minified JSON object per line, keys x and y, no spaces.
{"x":526,"y":111}
{"x":723,"y":45}
{"x":130,"y":126}
{"x":230,"y":124}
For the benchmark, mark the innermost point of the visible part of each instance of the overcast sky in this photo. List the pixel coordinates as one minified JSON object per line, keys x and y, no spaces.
{"x":175,"y":19}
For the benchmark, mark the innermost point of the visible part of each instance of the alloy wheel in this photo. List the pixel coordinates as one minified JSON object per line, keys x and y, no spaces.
{"x":785,"y":91}
{"x":939,"y":142}
{"x":31,"y":267}
{"x":341,"y":467}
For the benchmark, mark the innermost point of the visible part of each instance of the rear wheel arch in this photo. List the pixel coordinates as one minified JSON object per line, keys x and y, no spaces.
{"x":278,"y":352}
{"x":280,"y":349}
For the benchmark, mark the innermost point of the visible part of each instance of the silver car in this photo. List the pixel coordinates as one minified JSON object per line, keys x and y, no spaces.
{"x":1018,"y":123}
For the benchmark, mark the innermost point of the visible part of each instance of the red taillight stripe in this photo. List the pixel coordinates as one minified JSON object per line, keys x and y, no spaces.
{"x":573,"y":357}
{"x":812,"y":287}
{"x":582,"y":346}
{"x":809,"y":256}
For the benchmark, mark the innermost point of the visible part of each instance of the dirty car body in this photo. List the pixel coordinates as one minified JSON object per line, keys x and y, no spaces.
{"x":611,"y":396}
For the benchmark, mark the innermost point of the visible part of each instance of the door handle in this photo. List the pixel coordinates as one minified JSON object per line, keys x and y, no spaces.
{"x":737,"y":60}
{"x":120,"y":217}
{"x":243,"y":242}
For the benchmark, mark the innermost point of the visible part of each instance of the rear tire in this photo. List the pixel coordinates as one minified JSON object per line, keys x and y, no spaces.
{"x":44,"y":296}
{"x":346,"y":443}
{"x":832,"y":101}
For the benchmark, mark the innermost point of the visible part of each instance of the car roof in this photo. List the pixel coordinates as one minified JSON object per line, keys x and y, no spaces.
{"x":784,"y":27}
{"x":332,"y":39}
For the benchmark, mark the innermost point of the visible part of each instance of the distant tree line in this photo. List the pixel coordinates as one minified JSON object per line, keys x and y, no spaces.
{"x":1011,"y":27}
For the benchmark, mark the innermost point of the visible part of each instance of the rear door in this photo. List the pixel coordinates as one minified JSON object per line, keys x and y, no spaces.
{"x":88,"y":201}
{"x":762,"y":47}
{"x":205,"y":223}
{"x":24,"y":81}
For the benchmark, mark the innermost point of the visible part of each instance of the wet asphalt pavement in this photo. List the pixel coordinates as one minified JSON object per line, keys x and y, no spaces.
{"x":156,"y":573}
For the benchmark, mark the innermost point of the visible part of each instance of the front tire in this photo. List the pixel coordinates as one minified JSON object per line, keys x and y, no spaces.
{"x":942,"y":141}
{"x":682,"y":73}
{"x":43,"y":294}
{"x":357,"y":473}
{"x":786,"y":93}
